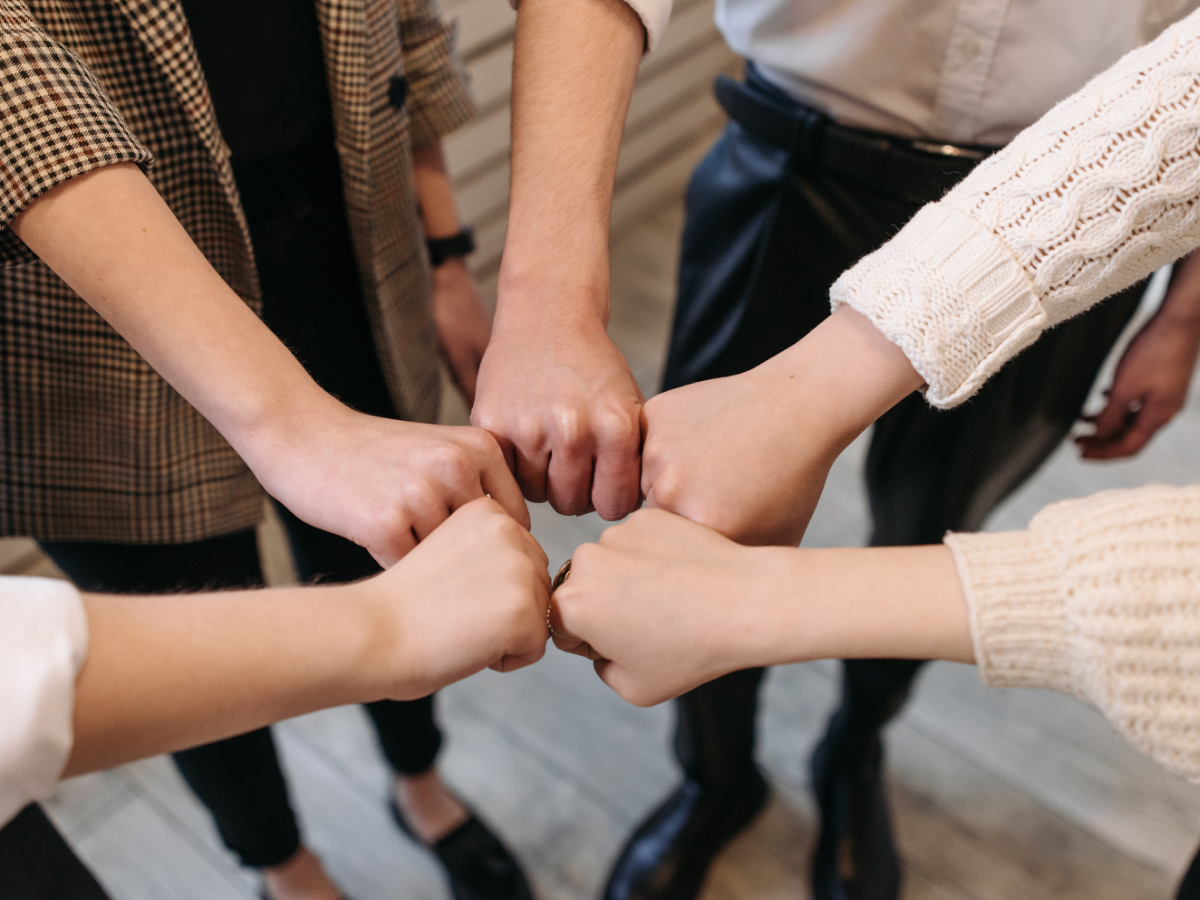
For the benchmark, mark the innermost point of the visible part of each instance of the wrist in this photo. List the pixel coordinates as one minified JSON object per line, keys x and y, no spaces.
{"x":284,"y":427}
{"x":847,"y":371}
{"x":569,"y":307}
{"x":383,"y":668}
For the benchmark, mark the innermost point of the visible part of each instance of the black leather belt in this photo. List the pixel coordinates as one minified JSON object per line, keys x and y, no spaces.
{"x":909,"y":170}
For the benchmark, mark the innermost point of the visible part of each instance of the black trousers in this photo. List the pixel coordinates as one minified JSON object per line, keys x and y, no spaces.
{"x":37,"y":864}
{"x":766,"y":235}
{"x":313,"y":300}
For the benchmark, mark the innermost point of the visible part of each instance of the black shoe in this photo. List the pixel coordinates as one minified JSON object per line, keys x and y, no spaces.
{"x":856,"y":856}
{"x":668,"y":855}
{"x":477,"y":865}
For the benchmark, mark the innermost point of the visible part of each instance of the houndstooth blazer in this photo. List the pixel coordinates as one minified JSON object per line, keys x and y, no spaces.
{"x":95,"y":446}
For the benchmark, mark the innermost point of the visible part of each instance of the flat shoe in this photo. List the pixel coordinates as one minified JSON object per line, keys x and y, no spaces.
{"x":477,"y":864}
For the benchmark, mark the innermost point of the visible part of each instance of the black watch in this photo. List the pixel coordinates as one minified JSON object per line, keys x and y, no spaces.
{"x":442,"y":249}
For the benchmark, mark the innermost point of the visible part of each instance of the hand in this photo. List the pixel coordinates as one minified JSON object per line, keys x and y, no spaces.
{"x":463,"y":324}
{"x":1150,"y":386}
{"x":663,"y":605}
{"x":563,"y":404}
{"x":749,"y":455}
{"x":472,"y":596}
{"x":383,"y":484}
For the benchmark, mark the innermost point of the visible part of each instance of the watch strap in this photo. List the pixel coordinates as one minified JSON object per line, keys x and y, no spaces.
{"x":442,"y":249}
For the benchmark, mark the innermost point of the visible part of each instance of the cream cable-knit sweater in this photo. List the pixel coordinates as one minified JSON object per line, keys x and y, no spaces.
{"x":1100,"y":597}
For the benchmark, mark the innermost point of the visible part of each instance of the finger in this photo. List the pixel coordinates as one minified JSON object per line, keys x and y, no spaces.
{"x":1113,"y":419}
{"x":1142,"y":427}
{"x":537,"y":556}
{"x":570,"y":477}
{"x":616,"y":488}
{"x":398,"y":546}
{"x":426,"y":514}
{"x":498,"y":481}
{"x":531,"y":472}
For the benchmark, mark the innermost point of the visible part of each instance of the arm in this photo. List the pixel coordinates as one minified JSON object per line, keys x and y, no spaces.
{"x":553,"y":389}
{"x":383,"y":484}
{"x":1151,"y":382}
{"x":1092,"y":198}
{"x":163,"y":673}
{"x":463,"y":324}
{"x":1099,"y":598}
{"x":664,"y":605}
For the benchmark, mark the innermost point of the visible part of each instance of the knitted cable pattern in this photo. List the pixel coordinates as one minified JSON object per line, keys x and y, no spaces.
{"x":1099,"y":598}
{"x":1097,"y":194}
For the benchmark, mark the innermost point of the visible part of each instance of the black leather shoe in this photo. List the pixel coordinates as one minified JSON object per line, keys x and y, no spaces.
{"x":478,"y":866}
{"x":668,"y":855}
{"x":856,"y":856}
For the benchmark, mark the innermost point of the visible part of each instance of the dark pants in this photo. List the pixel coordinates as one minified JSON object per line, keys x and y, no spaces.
{"x":313,"y":301}
{"x":37,"y":864}
{"x":766,"y":235}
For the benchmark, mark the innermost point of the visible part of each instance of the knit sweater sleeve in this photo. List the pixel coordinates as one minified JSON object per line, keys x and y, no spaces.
{"x":1094,"y":196}
{"x":1100,"y":598}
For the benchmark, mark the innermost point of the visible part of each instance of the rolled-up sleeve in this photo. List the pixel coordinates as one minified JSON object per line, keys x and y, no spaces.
{"x":43,"y":643}
{"x":56,"y":122}
{"x":438,"y":99}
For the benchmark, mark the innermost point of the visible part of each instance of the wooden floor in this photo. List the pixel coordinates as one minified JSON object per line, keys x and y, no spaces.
{"x":997,"y":794}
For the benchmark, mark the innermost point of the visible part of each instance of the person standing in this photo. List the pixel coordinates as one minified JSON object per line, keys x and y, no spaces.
{"x":853,"y":114}
{"x":298,"y":145}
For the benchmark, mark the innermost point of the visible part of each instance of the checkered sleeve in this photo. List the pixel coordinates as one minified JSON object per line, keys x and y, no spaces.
{"x":438,"y":100}
{"x":56,"y":121}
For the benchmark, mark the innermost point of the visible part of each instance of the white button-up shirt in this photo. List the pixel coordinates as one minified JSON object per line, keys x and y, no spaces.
{"x":43,"y":642}
{"x":958,"y":71}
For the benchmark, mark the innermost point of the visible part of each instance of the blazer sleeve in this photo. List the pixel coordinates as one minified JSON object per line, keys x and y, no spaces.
{"x":438,"y":99}
{"x":56,"y":121}
{"x":1099,"y":598}
{"x":1094,"y":196}
{"x":43,"y":643}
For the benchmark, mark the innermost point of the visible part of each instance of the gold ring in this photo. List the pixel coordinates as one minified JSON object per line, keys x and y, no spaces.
{"x":564,"y":572}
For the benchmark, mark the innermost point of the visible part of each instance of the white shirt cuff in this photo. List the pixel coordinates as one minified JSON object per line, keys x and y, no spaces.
{"x":43,"y":643}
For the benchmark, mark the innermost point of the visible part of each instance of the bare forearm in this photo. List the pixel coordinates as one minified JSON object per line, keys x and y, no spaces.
{"x":575,"y":65}
{"x":111,"y":237}
{"x":164,"y":673}
{"x":439,"y":217}
{"x":864,"y":603}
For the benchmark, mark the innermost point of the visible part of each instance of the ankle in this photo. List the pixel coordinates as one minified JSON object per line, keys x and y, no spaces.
{"x":428,"y":806}
{"x":302,"y":877}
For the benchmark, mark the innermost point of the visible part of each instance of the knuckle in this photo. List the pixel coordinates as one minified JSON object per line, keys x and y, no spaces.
{"x":619,"y":428}
{"x":454,"y":463}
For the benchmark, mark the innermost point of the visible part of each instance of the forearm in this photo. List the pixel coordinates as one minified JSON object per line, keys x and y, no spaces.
{"x":164,"y":673}
{"x":574,"y":68}
{"x":109,"y":235}
{"x":861,"y":603}
{"x":439,"y":217}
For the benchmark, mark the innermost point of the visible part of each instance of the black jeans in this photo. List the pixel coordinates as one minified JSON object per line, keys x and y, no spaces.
{"x":312,"y":299}
{"x":766,"y":235}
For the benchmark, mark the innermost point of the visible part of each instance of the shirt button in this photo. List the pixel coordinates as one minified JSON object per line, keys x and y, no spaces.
{"x":970,"y":49}
{"x":398,"y":91}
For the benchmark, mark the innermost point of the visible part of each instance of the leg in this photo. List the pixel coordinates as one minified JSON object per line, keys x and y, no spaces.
{"x":1189,"y":887}
{"x":313,"y":300}
{"x":764,"y":239}
{"x":37,"y":864}
{"x":929,"y":471}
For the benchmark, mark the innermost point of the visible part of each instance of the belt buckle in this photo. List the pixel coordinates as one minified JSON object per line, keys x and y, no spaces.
{"x":950,"y":150}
